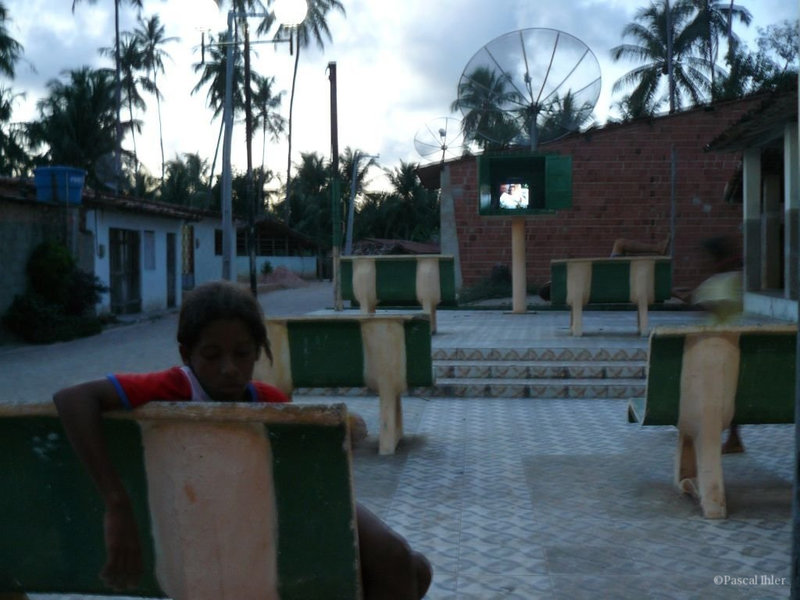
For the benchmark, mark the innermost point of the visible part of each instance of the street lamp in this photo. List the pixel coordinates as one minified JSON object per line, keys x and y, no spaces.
{"x":288,"y":13}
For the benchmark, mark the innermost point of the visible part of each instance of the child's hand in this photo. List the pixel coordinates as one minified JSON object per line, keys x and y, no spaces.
{"x":123,"y":566}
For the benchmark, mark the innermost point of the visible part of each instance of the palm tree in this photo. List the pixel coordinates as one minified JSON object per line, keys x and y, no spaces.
{"x":562,"y":115}
{"x":130,"y":56}
{"x":313,"y":28}
{"x":212,"y":74}
{"x":413,"y":209}
{"x":14,"y":160}
{"x":269,"y":120}
{"x":151,"y":37}
{"x":117,"y":80}
{"x":482,"y":97}
{"x":714,"y":20}
{"x":10,"y":49}
{"x":310,"y":198}
{"x":653,"y":39}
{"x":185,"y":182}
{"x":77,"y":120}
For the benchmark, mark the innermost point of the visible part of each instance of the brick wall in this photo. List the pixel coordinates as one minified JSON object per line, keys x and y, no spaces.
{"x":621,"y":188}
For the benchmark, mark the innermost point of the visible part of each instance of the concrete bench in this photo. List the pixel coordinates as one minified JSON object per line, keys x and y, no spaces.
{"x":232,"y":501}
{"x":702,"y":379}
{"x":386,"y":354}
{"x":425,"y":280}
{"x":641,"y":280}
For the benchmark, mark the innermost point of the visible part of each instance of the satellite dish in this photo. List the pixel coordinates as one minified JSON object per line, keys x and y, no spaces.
{"x":529,"y":86}
{"x":105,"y":172}
{"x":442,"y":136}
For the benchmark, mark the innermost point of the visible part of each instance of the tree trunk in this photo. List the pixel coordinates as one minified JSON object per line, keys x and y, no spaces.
{"x":118,"y":99}
{"x":288,"y":209}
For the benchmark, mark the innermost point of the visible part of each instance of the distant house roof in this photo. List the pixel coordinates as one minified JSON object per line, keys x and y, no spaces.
{"x":273,"y":228}
{"x":369,"y":246}
{"x":18,"y":189}
{"x":151,"y":207}
{"x":762,"y":125}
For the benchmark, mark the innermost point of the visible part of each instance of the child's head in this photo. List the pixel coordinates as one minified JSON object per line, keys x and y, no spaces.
{"x":220,"y":300}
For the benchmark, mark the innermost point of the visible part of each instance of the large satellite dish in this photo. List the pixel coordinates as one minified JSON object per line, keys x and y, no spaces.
{"x":527,"y":87}
{"x":441,"y":138}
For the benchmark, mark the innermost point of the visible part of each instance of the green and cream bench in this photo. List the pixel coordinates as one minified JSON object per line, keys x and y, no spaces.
{"x":384,"y":353}
{"x":703,"y":379}
{"x":232,"y":501}
{"x":641,"y":280}
{"x":410,"y":279}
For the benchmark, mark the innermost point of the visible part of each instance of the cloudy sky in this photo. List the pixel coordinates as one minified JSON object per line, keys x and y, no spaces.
{"x":398,"y":65}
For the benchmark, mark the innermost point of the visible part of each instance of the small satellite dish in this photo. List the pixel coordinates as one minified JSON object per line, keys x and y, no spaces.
{"x":529,"y":86}
{"x":105,"y":172}
{"x":442,"y":136}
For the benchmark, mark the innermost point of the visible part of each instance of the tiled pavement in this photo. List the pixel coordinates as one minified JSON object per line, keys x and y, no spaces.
{"x":532,"y":498}
{"x":560,"y":498}
{"x":563,"y":499}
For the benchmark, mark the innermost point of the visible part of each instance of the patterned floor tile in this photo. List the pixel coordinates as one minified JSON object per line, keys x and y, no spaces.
{"x":552,"y":498}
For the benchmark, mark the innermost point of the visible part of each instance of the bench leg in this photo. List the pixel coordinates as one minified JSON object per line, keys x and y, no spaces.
{"x":641,"y":317}
{"x":364,"y":284}
{"x":709,"y":475}
{"x":576,"y":320}
{"x":430,"y":309}
{"x":391,"y":423}
{"x":685,"y":463}
{"x":709,"y":375}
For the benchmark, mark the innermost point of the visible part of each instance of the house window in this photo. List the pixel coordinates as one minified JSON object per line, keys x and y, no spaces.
{"x":149,"y":250}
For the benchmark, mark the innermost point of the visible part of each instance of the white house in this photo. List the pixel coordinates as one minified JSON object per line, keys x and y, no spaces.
{"x":147,"y":253}
{"x":768,"y":139}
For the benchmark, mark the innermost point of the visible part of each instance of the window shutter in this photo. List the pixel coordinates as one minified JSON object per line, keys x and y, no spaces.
{"x":558,"y":182}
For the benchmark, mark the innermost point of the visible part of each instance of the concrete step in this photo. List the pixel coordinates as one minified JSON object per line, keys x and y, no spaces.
{"x":539,"y":369}
{"x":507,"y":388}
{"x":623,"y":388}
{"x":632,"y":352}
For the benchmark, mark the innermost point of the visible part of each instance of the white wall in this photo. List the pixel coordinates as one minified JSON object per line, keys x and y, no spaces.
{"x":153,"y":281}
{"x":207,"y":266}
{"x":304,"y":266}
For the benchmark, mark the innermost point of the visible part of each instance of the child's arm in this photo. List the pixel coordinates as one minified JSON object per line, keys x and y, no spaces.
{"x":80,"y":408}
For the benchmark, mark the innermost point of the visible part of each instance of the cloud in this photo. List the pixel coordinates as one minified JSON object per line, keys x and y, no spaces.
{"x":398,"y":63}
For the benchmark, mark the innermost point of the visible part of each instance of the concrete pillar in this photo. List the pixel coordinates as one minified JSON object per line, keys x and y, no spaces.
{"x":791,"y":196}
{"x":751,"y":171}
{"x":447,"y":223}
{"x":519,"y":285}
{"x":771,"y":249}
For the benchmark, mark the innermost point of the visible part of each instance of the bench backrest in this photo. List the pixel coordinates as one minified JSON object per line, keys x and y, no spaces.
{"x":610,"y":279}
{"x":396,"y":278}
{"x":765,"y":391}
{"x":331,"y":351}
{"x":51,"y":515}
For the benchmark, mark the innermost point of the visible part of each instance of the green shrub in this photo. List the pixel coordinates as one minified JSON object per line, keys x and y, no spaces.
{"x":38,"y":321}
{"x":59,"y":302}
{"x":50,"y":270}
{"x":266,"y":268}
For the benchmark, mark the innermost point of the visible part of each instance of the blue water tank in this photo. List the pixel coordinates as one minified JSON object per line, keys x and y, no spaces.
{"x":59,"y":184}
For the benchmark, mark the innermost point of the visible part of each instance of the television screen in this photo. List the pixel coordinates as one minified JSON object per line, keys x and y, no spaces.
{"x":523,"y":184}
{"x":512,"y":194}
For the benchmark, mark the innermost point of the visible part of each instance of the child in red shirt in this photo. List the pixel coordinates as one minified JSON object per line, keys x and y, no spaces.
{"x":221,"y":333}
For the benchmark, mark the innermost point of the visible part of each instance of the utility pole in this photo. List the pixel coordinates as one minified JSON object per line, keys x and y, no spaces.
{"x":670,"y":74}
{"x":336,"y":209}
